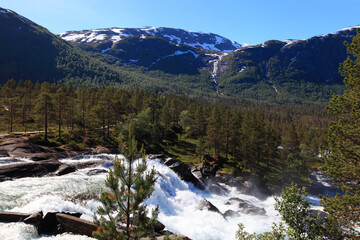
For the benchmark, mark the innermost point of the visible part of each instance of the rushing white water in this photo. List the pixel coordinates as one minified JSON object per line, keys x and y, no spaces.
{"x":176,"y":199}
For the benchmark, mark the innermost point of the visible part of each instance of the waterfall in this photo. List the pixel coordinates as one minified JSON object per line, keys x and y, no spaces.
{"x":177,"y":201}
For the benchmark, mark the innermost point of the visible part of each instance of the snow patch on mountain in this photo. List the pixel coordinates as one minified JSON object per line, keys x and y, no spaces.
{"x":172,"y":55}
{"x":207,"y":41}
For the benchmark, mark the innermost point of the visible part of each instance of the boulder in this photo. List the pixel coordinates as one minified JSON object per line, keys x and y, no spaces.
{"x":64,"y":169}
{"x":29,"y":169}
{"x":75,"y":225}
{"x":217,"y":189}
{"x":245,"y":206}
{"x":34,"y":218}
{"x":51,"y":225}
{"x":3,"y":153}
{"x":159,"y":226}
{"x":93,"y":172}
{"x":26,"y":149}
{"x":206,"y":205}
{"x":231,"y":214}
{"x":6,"y":216}
{"x":184,"y":172}
{"x":101,"y":150}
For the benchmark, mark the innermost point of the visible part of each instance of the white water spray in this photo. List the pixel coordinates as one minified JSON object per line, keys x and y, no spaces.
{"x":177,"y":201}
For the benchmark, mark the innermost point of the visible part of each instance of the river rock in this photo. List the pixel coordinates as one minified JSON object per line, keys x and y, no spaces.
{"x":207,"y":205}
{"x":245,"y":206}
{"x":29,"y":169}
{"x":101,"y":150}
{"x":26,"y":149}
{"x":216,"y":188}
{"x":231,"y":214}
{"x":75,"y":225}
{"x":34,"y":218}
{"x":93,"y":172}
{"x":184,"y":172}
{"x":51,"y":225}
{"x":6,"y":216}
{"x":64,"y":169}
{"x":3,"y":153}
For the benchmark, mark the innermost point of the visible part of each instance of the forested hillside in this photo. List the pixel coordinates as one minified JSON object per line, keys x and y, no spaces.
{"x":237,"y":136}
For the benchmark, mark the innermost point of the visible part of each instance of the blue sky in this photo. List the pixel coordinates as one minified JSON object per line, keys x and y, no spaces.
{"x":251,"y":21}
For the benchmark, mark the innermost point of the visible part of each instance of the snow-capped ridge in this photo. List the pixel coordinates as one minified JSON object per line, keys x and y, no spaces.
{"x":207,"y":41}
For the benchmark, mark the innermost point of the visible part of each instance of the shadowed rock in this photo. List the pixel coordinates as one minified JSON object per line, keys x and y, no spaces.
{"x":231,"y":213}
{"x":75,"y":225}
{"x":206,"y":205}
{"x":30,"y":169}
{"x":183,"y":171}
{"x":246,"y":207}
{"x":93,"y":172}
{"x":26,"y":149}
{"x":6,"y":216}
{"x":34,"y":218}
{"x":64,"y":169}
{"x":3,"y":153}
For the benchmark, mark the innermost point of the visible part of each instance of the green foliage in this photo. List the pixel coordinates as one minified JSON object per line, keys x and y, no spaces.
{"x":128,"y":185}
{"x":298,"y":221}
{"x":342,"y":162}
{"x":297,"y":215}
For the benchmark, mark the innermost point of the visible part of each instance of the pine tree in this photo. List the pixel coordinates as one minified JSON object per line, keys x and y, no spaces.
{"x":343,"y":160}
{"x":128,"y":185}
{"x":214,"y":135}
{"x":44,"y":106}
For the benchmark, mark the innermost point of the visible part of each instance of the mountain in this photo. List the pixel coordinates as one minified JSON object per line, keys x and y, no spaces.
{"x":174,"y":61}
{"x":31,"y":52}
{"x":302,"y":69}
{"x":208,"y":41}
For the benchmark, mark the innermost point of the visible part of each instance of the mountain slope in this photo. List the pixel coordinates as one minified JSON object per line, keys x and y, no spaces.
{"x":208,"y":41}
{"x":31,"y":52}
{"x":296,"y":69}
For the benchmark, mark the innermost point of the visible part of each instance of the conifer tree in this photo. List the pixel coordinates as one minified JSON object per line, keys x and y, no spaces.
{"x":214,"y":135}
{"x":343,"y":159}
{"x":127,"y":186}
{"x":44,"y":106}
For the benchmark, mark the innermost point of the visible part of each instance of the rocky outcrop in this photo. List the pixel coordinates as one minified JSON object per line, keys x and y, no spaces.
{"x":231,"y":213}
{"x":26,"y":149}
{"x":183,"y":171}
{"x":208,"y":206}
{"x":33,"y":169}
{"x":245,"y":206}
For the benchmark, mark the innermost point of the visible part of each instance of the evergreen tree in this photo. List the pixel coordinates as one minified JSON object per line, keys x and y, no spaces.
{"x":128,"y":185}
{"x":342,"y":162}
{"x":214,"y":135}
{"x":44,"y":106}
{"x":60,"y":102}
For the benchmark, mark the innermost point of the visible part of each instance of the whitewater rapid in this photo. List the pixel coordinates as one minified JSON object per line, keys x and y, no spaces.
{"x":176,"y":199}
